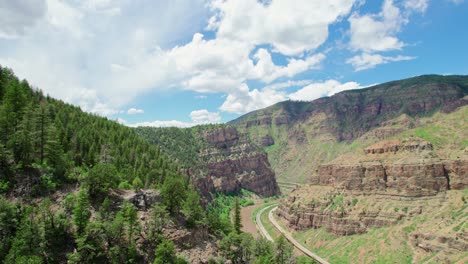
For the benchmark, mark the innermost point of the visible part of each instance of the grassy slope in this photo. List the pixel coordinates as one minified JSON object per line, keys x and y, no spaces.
{"x":392,"y":244}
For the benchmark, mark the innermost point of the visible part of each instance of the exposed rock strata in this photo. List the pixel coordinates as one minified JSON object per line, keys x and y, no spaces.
{"x":406,"y":167}
{"x":404,"y":170}
{"x":232,"y":163}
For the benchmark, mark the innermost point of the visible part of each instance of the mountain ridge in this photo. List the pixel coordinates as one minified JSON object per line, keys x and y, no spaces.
{"x":297,"y":135}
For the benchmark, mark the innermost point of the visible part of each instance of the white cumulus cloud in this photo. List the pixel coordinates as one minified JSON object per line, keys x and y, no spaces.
{"x":417,"y":5}
{"x":244,"y":100}
{"x":317,"y":90}
{"x":377,"y":32}
{"x":134,"y":111}
{"x":203,"y":116}
{"x":161,"y":123}
{"x":366,"y":61}
{"x":292,"y":27}
{"x":198,"y":117}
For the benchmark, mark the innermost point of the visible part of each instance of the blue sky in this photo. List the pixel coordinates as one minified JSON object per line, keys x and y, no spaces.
{"x":187,"y":62}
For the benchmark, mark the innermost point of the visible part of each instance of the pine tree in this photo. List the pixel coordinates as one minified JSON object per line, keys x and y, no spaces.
{"x":173,"y":193}
{"x":100,"y":178}
{"x":237,"y":216}
{"x":21,"y":142}
{"x":9,"y":219}
{"x":53,"y":152}
{"x":105,"y":210}
{"x":5,"y":161}
{"x":81,"y":212}
{"x":191,"y":208}
{"x":26,"y":244}
{"x":165,"y":253}
{"x":131,"y":219}
{"x":42,"y":123}
{"x":137,"y":183}
{"x":283,"y":250}
{"x":13,"y":103}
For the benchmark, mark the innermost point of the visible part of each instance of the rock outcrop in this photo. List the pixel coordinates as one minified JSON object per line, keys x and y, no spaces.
{"x":232,"y":163}
{"x":402,"y":167}
{"x":403,"y":170}
{"x":267,"y":141}
{"x":336,"y":211}
{"x":431,"y":242}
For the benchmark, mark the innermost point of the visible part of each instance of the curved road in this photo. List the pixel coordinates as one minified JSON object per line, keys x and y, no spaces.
{"x":286,"y":234}
{"x":262,"y":229}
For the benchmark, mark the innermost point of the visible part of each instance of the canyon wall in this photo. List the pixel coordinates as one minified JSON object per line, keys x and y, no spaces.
{"x":233,"y":163}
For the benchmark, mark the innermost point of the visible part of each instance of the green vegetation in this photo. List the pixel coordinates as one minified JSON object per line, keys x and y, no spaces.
{"x":181,"y":145}
{"x":50,"y":147}
{"x":237,"y":216}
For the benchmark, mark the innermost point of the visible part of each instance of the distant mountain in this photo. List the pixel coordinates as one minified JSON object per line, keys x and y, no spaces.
{"x":299,"y":136}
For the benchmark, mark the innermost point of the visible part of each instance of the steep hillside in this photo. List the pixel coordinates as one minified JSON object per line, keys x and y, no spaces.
{"x":59,"y":170}
{"x":78,"y":188}
{"x":217,"y":158}
{"x":299,"y":136}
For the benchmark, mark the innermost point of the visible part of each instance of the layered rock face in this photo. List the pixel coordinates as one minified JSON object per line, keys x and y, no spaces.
{"x":397,"y":170}
{"x":340,"y":219}
{"x":232,"y":163}
{"x":402,"y":167}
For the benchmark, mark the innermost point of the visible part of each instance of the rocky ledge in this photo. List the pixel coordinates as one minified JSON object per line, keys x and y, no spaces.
{"x":401,"y":167}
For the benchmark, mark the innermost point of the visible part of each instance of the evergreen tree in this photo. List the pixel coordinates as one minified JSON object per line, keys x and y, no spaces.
{"x":137,"y":183}
{"x":53,"y":229}
{"x":9,"y":220}
{"x":53,"y":152}
{"x":100,"y":178}
{"x":5,"y":162}
{"x":130,"y":215}
{"x":165,"y":253}
{"x":105,"y":210}
{"x":13,"y":103}
{"x":237,"y":216}
{"x":263,"y":249}
{"x":42,"y":123}
{"x":283,"y":250}
{"x":81,"y":212}
{"x":26,"y":243}
{"x":21,"y":143}
{"x":191,"y":208}
{"x":173,"y":193}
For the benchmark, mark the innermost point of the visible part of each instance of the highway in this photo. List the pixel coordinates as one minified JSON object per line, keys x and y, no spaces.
{"x":287,"y":235}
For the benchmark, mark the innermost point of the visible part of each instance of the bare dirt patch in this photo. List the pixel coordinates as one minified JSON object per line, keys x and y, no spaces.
{"x":248,"y":224}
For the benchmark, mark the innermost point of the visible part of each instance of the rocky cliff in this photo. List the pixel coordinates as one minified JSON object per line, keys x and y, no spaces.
{"x":406,"y":167}
{"x":405,"y":170}
{"x":232,"y":163}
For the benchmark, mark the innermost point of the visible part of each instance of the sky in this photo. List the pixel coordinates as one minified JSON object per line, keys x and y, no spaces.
{"x":189,"y":62}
